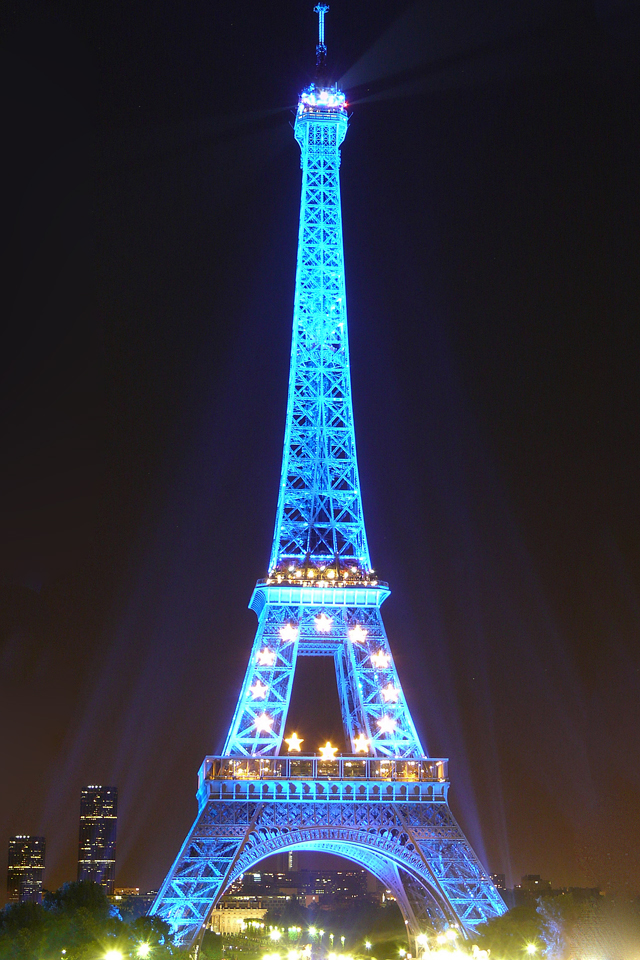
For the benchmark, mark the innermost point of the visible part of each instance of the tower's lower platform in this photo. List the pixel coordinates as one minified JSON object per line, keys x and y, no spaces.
{"x":389,"y":816}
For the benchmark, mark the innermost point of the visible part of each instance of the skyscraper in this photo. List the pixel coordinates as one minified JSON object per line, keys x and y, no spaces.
{"x":26,"y":869}
{"x":97,"y":847}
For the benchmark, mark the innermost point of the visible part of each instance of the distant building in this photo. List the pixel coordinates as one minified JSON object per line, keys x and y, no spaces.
{"x":231,"y":919}
{"x":499,"y":881}
{"x":26,"y":869}
{"x":97,"y":847}
{"x":533,"y":883}
{"x":253,"y":894}
{"x":326,"y":888}
{"x":132,"y":904}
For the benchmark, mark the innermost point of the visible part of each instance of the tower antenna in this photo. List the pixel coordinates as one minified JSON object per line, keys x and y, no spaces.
{"x":321,"y":47}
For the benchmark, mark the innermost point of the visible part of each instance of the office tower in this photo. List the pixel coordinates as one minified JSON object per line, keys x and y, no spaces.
{"x":26,"y":869}
{"x":97,"y":847}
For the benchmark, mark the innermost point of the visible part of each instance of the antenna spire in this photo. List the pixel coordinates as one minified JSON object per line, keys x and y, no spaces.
{"x":321,"y":47}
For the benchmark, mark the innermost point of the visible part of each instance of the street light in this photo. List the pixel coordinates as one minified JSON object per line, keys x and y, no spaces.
{"x":367,"y":945}
{"x":113,"y":955}
{"x":531,"y":949}
{"x":143,"y":951}
{"x":274,"y":934}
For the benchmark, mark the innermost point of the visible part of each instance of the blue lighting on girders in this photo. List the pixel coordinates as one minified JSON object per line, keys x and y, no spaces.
{"x":319,"y":515}
{"x":384,"y":806}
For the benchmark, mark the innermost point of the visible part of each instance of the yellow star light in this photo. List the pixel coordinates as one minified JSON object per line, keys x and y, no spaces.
{"x":387,"y":724}
{"x":266,"y":657}
{"x":328,"y":752}
{"x":258,"y":691}
{"x":263,"y":723}
{"x":293,"y":742}
{"x":361,"y":744}
{"x":288,"y":632}
{"x":390,"y":694}
{"x":380,"y":660}
{"x":357,"y":634}
{"x":323,"y":623}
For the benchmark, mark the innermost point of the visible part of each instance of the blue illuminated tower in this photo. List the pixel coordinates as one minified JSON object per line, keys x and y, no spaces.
{"x":384,"y":805}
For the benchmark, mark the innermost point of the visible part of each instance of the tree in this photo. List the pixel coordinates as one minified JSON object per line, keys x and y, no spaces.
{"x":82,"y":896}
{"x":510,"y":934}
{"x":78,"y":919}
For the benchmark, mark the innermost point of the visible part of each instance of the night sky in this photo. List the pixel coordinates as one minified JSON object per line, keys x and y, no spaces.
{"x":491,"y":222}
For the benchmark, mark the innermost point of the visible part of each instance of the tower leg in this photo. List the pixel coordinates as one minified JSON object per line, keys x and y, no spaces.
{"x":201,"y":872}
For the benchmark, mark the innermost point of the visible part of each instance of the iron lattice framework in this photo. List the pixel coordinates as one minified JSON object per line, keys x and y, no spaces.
{"x":319,"y":512}
{"x":384,"y":807}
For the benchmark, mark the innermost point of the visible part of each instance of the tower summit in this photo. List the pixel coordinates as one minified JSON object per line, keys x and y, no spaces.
{"x":383,"y":805}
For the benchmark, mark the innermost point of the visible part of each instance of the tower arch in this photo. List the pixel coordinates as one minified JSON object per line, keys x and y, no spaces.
{"x":421,"y":903}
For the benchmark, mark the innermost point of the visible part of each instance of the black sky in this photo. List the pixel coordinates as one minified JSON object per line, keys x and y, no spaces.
{"x":491,"y":220}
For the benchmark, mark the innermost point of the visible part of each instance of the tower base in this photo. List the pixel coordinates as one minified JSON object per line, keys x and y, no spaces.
{"x":390,"y":817}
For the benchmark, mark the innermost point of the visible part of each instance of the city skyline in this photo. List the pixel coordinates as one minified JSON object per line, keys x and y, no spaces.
{"x":491,"y":287}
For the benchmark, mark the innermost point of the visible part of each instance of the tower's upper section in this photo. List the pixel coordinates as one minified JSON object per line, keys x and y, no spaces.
{"x":321,"y":102}
{"x":319,"y":522}
{"x":318,"y":104}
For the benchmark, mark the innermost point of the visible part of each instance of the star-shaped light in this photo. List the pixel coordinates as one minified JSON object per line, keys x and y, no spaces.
{"x":380,"y":660}
{"x":293,"y":742}
{"x":389,"y":693}
{"x":361,"y":744}
{"x":323,"y":623}
{"x":328,"y":752}
{"x":288,"y":632}
{"x":258,"y":691}
{"x":357,"y":634}
{"x":266,"y":657}
{"x":263,"y":723}
{"x":387,"y":724}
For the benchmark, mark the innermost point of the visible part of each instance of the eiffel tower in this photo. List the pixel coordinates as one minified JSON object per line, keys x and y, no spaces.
{"x":384,"y":805}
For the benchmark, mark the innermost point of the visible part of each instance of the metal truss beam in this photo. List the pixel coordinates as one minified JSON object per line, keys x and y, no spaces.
{"x":416,"y":847}
{"x":319,"y":515}
{"x":375,"y":714}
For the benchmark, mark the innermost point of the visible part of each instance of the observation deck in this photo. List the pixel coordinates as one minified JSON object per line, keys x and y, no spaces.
{"x":319,"y":110}
{"x":322,"y":103}
{"x":308,"y":778}
{"x":318,"y":593}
